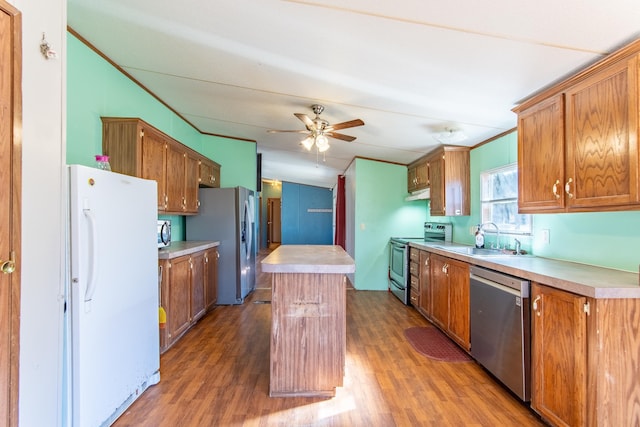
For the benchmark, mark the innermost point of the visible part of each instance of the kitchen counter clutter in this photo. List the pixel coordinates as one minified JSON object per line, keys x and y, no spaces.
{"x":188,"y":276}
{"x":308,"y":319}
{"x":581,"y":279}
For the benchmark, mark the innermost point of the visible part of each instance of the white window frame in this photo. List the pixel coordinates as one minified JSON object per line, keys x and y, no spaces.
{"x":487,"y":203}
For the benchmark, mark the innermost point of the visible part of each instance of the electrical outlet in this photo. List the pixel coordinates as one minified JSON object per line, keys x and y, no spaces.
{"x":545,"y":235}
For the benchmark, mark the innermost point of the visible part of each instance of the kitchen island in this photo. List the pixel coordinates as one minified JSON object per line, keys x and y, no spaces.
{"x":308,"y":319}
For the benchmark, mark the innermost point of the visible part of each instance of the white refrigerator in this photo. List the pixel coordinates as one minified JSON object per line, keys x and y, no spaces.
{"x":112,"y":340}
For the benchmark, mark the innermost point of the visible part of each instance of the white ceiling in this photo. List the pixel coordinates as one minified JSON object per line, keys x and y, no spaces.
{"x":407,"y":68}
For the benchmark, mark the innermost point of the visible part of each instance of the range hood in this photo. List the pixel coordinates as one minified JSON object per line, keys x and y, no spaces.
{"x":418,"y":195}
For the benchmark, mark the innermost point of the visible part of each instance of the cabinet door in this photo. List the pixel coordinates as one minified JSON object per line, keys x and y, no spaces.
{"x":412,"y":182}
{"x":178,"y":298}
{"x":458,"y":274}
{"x":559,"y":356}
{"x":436,"y":178}
{"x":602,"y":138}
{"x":154,"y":163}
{"x":425,"y":283}
{"x":176,"y":172}
{"x":191,"y":183}
{"x":211,"y":277}
{"x":541,"y":157}
{"x":209,"y":173}
{"x":439,"y":292}
{"x":197,"y":286}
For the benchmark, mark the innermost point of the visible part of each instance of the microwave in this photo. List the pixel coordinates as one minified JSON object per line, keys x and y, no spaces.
{"x":164,"y":233}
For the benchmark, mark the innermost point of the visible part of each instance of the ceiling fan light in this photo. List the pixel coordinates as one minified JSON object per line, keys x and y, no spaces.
{"x":307,"y":143}
{"x":322,"y":142}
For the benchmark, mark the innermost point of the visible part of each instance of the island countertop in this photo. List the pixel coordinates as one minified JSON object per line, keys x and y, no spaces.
{"x":326,"y":259}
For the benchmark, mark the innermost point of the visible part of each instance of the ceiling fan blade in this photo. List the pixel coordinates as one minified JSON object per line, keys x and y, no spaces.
{"x":306,"y":120}
{"x":280,"y":131}
{"x":344,"y":125}
{"x":340,"y":136}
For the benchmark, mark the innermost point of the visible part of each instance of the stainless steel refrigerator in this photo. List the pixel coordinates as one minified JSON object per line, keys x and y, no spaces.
{"x":227,"y":215}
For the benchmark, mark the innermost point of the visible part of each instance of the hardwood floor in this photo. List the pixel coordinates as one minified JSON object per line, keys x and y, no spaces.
{"x":218,"y":375}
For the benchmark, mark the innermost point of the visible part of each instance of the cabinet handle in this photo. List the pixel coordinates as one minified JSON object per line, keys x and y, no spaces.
{"x":567,"y":188}
{"x":535,"y":305}
{"x":555,"y":189}
{"x":426,"y":262}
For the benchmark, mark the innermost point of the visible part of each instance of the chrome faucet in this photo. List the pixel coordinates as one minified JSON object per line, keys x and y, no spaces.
{"x":497,"y":244}
{"x":517,"y":242}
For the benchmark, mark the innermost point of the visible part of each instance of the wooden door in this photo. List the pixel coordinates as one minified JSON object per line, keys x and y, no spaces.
{"x":10,"y":194}
{"x":176,"y":176}
{"x":436,"y":178}
{"x":458,"y":328}
{"x":178,"y":298}
{"x":154,"y":163}
{"x":198,"y":290}
{"x":425,"y":283}
{"x":439,"y":291}
{"x":211,"y":277}
{"x":602,"y":138}
{"x":541,"y":157}
{"x":192,"y":177}
{"x":274,"y":229}
{"x":559,"y":356}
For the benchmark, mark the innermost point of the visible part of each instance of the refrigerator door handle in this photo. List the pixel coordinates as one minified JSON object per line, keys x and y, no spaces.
{"x":93,"y":255}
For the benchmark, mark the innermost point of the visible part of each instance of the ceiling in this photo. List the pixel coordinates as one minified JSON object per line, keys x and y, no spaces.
{"x":410,"y":69}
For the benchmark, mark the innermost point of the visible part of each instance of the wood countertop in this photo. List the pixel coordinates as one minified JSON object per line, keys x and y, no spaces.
{"x":178,"y":249}
{"x":581,"y":279}
{"x":325,"y":259}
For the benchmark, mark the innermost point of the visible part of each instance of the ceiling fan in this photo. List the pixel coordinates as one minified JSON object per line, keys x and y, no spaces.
{"x":319,"y":129}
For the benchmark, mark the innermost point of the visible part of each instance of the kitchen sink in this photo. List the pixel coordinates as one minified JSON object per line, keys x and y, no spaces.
{"x":480,"y":252}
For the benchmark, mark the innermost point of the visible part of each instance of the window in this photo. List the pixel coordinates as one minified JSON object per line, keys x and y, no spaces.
{"x":499,"y":201}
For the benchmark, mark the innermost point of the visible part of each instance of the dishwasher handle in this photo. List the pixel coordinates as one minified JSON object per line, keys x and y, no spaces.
{"x":495,"y":285}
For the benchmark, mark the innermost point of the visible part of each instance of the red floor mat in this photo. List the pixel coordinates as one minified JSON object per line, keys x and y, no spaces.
{"x":432,"y":343}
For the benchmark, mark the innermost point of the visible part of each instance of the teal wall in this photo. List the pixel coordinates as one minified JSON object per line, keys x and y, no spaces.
{"x":307,"y":215}
{"x":95,"y":88}
{"x":381,"y":212}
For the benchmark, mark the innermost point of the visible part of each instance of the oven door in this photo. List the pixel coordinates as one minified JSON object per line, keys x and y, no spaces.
{"x":398,"y":270}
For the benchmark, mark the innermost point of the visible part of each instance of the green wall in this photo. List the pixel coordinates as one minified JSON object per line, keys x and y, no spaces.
{"x":381,"y":212}
{"x":95,"y":88}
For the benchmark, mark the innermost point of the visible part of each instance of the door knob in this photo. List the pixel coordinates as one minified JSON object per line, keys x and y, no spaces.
{"x":9,"y":266}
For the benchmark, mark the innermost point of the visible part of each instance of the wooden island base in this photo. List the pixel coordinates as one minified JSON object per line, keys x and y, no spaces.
{"x":308,"y":319}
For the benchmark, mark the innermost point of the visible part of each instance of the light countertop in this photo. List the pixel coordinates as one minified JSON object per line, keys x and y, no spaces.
{"x":178,"y":249}
{"x":309,"y":259}
{"x":581,"y":279}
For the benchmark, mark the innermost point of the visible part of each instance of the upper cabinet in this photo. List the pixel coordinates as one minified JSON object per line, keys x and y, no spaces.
{"x":578,"y":141}
{"x":446,"y":173}
{"x":138,"y":149}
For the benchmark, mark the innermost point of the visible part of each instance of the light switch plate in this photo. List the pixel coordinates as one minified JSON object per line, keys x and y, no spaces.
{"x":545,"y":236}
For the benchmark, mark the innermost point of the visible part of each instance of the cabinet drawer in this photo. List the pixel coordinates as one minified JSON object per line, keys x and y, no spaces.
{"x":414,"y":254}
{"x":414,"y":269}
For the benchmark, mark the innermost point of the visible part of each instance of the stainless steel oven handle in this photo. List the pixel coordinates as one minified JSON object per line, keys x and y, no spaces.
{"x":495,"y":285}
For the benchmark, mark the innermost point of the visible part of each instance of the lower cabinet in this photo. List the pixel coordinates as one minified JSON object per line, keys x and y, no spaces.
{"x":446,"y":290}
{"x":188,"y":289}
{"x":584,"y":358}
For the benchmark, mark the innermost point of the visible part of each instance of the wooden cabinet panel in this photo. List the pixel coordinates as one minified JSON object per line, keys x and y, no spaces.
{"x":198,"y":284}
{"x":559,"y":356}
{"x":192,"y":179}
{"x":439,"y":292}
{"x":178,"y":298}
{"x":425,"y":284}
{"x":449,"y":177}
{"x":211,"y":277}
{"x":541,"y":157}
{"x":176,"y":163}
{"x":458,"y":327}
{"x":436,"y":177}
{"x":602,"y":131}
{"x":418,"y":175}
{"x":154,"y":162}
{"x":209,"y":173}
{"x":578,"y":141}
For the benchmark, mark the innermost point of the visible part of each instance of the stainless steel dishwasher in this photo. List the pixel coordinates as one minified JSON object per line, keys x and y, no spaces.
{"x":500,"y":327}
